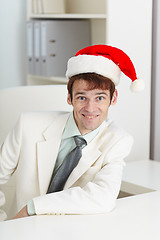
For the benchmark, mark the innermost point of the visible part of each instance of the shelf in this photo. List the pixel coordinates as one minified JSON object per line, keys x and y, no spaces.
{"x":43,"y":80}
{"x":69,"y":16}
{"x":94,"y":11}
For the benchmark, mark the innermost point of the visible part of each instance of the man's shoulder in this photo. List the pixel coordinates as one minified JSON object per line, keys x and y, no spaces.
{"x":112,"y":129}
{"x":115,"y":140}
{"x":41,"y":118}
{"x":43,"y":115}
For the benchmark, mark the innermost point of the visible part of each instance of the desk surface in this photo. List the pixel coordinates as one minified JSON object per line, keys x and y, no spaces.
{"x":135,"y":217}
{"x":141,"y":176}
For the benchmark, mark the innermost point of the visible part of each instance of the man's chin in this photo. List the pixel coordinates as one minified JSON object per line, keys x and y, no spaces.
{"x":90,"y":127}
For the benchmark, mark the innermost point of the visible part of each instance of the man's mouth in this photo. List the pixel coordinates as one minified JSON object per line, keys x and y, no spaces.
{"x":89,"y":116}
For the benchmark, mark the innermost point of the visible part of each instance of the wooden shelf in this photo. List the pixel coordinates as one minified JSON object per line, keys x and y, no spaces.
{"x":46,"y":80}
{"x":68,"y":16}
{"x":94,"y":11}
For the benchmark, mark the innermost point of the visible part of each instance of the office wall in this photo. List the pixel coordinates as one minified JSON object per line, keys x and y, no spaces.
{"x":155,"y":120}
{"x":12,"y":43}
{"x":132,"y":33}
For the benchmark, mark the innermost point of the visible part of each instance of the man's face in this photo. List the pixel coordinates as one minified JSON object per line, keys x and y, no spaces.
{"x":90,"y":107}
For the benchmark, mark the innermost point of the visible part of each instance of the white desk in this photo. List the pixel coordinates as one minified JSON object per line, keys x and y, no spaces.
{"x":141,"y":177}
{"x":134,"y":218}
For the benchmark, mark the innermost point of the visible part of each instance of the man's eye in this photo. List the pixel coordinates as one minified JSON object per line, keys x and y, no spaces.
{"x":81,"y":98}
{"x":100,"y":98}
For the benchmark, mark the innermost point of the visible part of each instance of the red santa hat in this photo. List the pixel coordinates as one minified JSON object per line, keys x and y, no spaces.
{"x":107,"y":61}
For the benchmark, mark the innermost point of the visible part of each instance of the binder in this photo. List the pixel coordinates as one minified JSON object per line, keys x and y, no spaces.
{"x":36,"y":48}
{"x":51,"y":43}
{"x":34,"y":7}
{"x":60,"y":40}
{"x":30,"y":47}
{"x":53,"y":6}
{"x":37,"y":6}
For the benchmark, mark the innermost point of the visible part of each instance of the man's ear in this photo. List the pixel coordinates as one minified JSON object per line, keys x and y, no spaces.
{"x":69,"y":101}
{"x":114,"y":98}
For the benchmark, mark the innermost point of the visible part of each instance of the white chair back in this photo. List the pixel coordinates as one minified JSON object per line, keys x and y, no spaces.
{"x":15,"y":100}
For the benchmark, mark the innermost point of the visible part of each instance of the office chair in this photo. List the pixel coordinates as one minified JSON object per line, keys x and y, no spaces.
{"x":15,"y":100}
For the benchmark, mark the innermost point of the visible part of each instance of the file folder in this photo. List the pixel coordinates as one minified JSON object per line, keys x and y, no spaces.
{"x":30,"y":47}
{"x":60,"y":40}
{"x":50,"y":43}
{"x":36,"y":48}
{"x":34,"y":7}
{"x":37,"y":6}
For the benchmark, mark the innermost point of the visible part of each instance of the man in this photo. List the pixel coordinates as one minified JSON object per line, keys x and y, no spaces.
{"x":38,"y":147}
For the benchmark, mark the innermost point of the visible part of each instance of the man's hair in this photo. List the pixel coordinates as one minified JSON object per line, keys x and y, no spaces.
{"x":95,"y":81}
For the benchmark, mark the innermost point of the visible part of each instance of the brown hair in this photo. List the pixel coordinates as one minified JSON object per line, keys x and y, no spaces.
{"x":95,"y":81}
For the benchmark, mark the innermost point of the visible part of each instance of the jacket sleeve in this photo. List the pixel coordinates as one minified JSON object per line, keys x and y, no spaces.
{"x":3,"y":215}
{"x":97,"y":196}
{"x":9,"y":152}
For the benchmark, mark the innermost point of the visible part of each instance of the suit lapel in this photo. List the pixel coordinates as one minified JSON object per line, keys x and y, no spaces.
{"x":89,"y":155}
{"x":47,"y":151}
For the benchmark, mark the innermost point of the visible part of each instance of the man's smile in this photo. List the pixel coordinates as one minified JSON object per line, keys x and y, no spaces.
{"x":90,"y":105}
{"x":90,"y":116}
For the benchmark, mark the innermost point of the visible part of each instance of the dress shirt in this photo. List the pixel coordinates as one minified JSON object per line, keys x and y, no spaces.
{"x":67,"y":144}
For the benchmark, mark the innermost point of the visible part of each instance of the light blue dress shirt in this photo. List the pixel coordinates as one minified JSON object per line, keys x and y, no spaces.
{"x":67,"y":144}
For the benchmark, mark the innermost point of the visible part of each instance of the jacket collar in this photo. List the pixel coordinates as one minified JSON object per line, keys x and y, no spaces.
{"x":47,"y":152}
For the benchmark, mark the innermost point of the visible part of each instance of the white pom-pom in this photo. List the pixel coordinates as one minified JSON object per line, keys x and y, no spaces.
{"x":137,"y":85}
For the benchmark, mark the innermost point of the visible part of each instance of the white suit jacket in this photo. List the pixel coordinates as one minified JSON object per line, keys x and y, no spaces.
{"x":31,"y":150}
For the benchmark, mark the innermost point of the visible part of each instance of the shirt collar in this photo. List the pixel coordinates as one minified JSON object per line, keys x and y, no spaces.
{"x":71,"y":130}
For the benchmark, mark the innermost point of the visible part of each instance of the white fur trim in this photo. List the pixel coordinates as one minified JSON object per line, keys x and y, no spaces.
{"x":137,"y":85}
{"x":91,"y":63}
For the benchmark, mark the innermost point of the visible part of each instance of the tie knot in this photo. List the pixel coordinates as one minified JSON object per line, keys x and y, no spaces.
{"x":80,"y":141}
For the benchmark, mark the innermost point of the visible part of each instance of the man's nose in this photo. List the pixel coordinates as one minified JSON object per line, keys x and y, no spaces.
{"x":90,"y":106}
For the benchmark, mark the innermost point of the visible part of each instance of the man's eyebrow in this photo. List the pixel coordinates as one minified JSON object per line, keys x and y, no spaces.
{"x":84,"y":93}
{"x":102,"y":93}
{"x":80,"y":93}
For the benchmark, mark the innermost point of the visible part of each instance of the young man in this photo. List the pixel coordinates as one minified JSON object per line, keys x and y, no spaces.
{"x":88,"y":181}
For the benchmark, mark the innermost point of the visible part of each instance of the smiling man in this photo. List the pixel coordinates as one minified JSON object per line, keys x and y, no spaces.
{"x":71,"y":163}
{"x":90,"y":101}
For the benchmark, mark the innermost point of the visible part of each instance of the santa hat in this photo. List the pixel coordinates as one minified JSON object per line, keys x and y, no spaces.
{"x":104,"y":60}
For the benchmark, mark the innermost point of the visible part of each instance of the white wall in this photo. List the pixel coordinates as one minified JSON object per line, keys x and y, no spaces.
{"x":155,"y":127}
{"x":132,"y":34}
{"x":12,"y":43}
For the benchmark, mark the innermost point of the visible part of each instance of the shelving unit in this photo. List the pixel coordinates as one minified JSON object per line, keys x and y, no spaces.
{"x":95,"y":11}
{"x":68,"y":16}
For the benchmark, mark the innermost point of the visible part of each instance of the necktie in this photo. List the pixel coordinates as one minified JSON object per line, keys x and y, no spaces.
{"x":69,"y":163}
